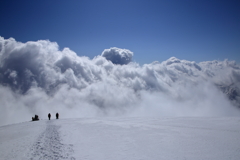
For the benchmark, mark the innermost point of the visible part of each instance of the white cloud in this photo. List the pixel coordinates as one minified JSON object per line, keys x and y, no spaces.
{"x":38,"y":78}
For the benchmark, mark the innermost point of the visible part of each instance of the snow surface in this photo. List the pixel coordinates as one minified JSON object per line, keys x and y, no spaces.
{"x":123,"y":138}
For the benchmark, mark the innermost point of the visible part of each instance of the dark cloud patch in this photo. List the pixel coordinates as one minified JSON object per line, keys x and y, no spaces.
{"x":118,"y":56}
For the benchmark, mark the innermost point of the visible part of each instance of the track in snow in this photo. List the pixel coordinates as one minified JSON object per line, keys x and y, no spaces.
{"x":49,"y":145}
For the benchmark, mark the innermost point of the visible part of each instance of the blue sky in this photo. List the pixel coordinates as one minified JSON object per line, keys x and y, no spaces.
{"x":155,"y":30}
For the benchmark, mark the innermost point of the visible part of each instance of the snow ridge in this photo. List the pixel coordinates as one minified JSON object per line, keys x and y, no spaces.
{"x":49,"y":145}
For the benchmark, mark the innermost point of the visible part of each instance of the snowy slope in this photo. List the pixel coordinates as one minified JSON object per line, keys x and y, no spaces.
{"x":123,"y":138}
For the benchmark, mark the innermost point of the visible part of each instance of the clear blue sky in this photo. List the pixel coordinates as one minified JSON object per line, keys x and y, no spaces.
{"x":155,"y":30}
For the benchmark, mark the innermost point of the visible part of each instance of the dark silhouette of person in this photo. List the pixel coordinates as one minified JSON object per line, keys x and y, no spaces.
{"x":49,"y":116}
{"x":35,"y":118}
{"x":57,"y":115}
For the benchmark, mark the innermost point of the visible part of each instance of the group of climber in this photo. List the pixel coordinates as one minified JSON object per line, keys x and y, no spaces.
{"x":49,"y":116}
{"x":35,"y":118}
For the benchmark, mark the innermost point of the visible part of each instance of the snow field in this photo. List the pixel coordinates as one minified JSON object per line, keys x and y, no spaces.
{"x":123,"y":138}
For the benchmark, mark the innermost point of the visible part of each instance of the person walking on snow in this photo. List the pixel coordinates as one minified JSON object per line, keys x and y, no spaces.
{"x":49,"y":116}
{"x":57,"y":115}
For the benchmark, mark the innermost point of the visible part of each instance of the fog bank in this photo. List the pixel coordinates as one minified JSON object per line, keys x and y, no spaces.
{"x":38,"y":78}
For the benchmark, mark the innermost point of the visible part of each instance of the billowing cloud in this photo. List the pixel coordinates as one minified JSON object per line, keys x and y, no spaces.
{"x":38,"y":78}
{"x":118,"y":55}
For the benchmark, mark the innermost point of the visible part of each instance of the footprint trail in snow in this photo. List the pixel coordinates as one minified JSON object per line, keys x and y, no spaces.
{"x":49,"y":145}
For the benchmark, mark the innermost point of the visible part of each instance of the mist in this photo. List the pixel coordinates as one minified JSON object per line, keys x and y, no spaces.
{"x":38,"y":78}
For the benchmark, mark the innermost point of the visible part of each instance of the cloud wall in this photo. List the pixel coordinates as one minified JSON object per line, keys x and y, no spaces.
{"x":38,"y":78}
